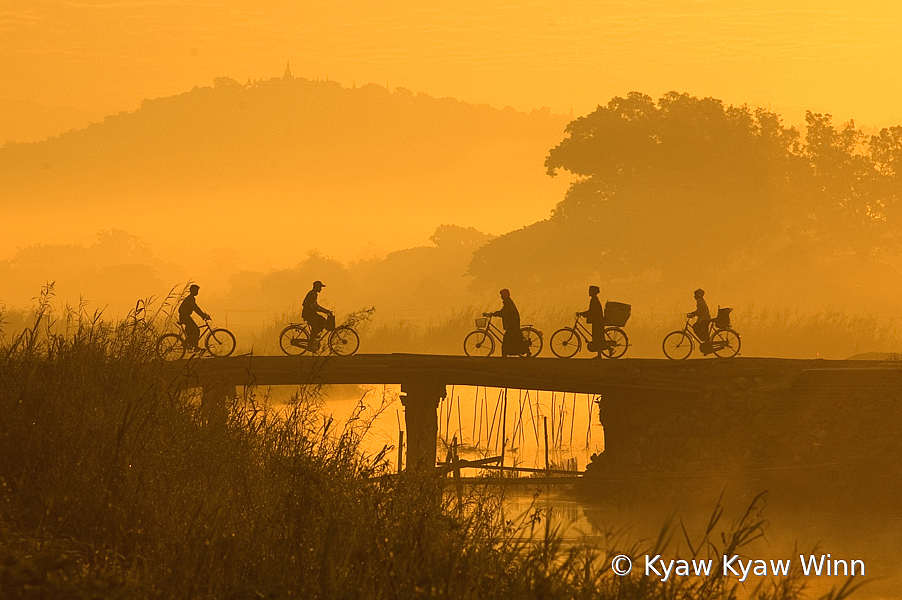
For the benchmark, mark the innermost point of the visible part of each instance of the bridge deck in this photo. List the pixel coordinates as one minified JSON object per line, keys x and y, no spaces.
{"x":574,"y":375}
{"x":628,"y":383}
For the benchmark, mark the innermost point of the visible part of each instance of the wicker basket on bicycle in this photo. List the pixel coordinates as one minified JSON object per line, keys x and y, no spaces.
{"x":616,"y":314}
{"x":722,"y":321}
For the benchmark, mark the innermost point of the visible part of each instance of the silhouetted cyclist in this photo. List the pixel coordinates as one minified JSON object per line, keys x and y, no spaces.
{"x":186,"y":309}
{"x":702,"y":316}
{"x":512,"y":344}
{"x":595,"y":317}
{"x":311,"y":314}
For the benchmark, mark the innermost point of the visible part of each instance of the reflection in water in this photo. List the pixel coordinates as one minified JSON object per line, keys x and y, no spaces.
{"x":515,"y":424}
{"x":484,"y":421}
{"x":802,"y":514}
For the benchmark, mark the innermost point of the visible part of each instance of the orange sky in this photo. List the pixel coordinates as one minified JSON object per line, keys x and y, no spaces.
{"x":107,"y":55}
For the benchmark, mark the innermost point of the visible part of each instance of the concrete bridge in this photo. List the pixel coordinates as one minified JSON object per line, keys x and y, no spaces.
{"x":625,"y":384}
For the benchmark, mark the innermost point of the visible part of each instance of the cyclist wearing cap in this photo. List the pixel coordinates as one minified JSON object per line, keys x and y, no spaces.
{"x":186,"y":309}
{"x":702,"y":315}
{"x":311,"y":313}
{"x":513,"y":343}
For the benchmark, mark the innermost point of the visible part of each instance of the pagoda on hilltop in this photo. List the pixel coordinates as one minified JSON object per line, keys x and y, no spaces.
{"x":287,"y":76}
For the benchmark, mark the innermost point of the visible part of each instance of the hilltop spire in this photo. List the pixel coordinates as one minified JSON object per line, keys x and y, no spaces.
{"x":287,"y":76}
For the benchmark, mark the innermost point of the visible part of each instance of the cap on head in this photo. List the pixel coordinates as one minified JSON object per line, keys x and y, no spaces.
{"x":593,"y":289}
{"x":699,"y":292}
{"x":319,"y":283}
{"x":193,"y":287}
{"x":505,"y":293}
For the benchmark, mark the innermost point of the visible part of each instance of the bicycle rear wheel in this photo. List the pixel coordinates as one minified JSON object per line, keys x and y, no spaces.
{"x":565,"y":343}
{"x":479,"y":344}
{"x":220,"y":342}
{"x":726,"y":343}
{"x":170,"y":346}
{"x":344,"y":341}
{"x":617,"y":342}
{"x":294,"y":339}
{"x":533,"y":339}
{"x":678,"y":345}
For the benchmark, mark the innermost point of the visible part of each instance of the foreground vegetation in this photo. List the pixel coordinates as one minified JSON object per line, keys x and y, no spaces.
{"x":116,"y":482}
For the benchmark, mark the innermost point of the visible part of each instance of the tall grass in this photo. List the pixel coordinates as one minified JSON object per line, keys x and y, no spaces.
{"x":114,"y":483}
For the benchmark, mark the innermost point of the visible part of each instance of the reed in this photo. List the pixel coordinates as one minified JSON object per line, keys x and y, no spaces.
{"x":114,"y":482}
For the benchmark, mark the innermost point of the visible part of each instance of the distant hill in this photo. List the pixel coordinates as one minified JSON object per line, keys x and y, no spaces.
{"x":24,"y":121}
{"x":281,"y":166}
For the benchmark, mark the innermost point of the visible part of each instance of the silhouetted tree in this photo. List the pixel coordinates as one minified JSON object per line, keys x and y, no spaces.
{"x":681,"y":181}
{"x":226,"y":84}
{"x":852,"y":186}
{"x":455,"y":237}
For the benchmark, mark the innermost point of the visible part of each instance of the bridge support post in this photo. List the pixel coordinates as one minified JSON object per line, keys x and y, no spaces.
{"x":421,"y":400}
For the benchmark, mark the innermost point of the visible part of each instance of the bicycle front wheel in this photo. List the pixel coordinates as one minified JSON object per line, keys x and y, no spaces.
{"x":726,"y":343}
{"x":533,"y":339}
{"x":565,"y":343}
{"x":170,"y":346}
{"x":479,"y":344}
{"x":617,"y":342}
{"x":293,"y":340}
{"x":220,"y":342}
{"x":344,"y":341}
{"x":678,"y":345}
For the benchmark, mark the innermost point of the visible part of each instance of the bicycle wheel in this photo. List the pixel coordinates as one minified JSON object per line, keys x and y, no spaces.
{"x":479,"y":344}
{"x":565,"y":343}
{"x":678,"y":345}
{"x":726,"y":343}
{"x":617,"y":342}
{"x":533,"y":339}
{"x":220,"y":342}
{"x":344,"y":341}
{"x":293,"y":340}
{"x":170,"y":346}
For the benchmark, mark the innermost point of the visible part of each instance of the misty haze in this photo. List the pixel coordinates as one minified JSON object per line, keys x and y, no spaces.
{"x":573,"y":290}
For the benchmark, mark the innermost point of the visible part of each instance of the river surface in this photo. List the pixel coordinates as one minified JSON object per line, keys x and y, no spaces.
{"x":615,"y":515}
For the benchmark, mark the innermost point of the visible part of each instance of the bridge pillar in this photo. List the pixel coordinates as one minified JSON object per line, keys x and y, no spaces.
{"x":421,"y":400}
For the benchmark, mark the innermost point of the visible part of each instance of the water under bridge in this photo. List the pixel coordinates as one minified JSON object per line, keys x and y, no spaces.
{"x":627,"y":385}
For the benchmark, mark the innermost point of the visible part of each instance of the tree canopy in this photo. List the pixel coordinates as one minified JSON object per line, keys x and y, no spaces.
{"x":692,"y":184}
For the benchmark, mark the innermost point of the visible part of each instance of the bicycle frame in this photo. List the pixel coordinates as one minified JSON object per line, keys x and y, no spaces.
{"x":342,"y":340}
{"x":712,"y":329}
{"x":492,"y":330}
{"x":585,"y":332}
{"x":567,"y":341}
{"x":204,"y":328}
{"x":723,"y":342}
{"x":481,"y":342}
{"x":582,"y":330}
{"x":217,"y":341}
{"x":306,"y":327}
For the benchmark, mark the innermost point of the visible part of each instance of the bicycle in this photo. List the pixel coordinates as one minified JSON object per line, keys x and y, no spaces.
{"x":568,"y":341}
{"x":218,"y":342}
{"x":295,"y":340}
{"x":725,"y":342}
{"x":481,"y":343}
